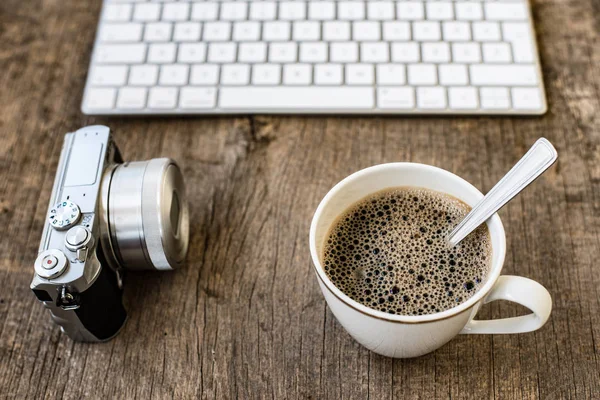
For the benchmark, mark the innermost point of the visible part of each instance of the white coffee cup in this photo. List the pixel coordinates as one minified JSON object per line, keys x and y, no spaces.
{"x":412,"y":336}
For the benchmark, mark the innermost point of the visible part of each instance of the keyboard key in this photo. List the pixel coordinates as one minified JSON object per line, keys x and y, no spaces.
{"x":306,"y":30}
{"x":146,"y":12}
{"x":344,"y":52}
{"x":162,"y":98}
{"x":431,"y":97}
{"x":235,"y":74}
{"x":519,"y":35}
{"x":506,"y":11}
{"x":456,"y":31}
{"x":266,"y":74}
{"x":375,"y":52}
{"x":321,"y":10}
{"x":380,"y":10}
{"x":187,"y":32}
{"x":503,"y":75}
{"x":436,"y":52}
{"x":234,"y":11}
{"x":294,"y":98}
{"x":405,"y":52}
{"x":351,"y":10}
{"x":514,"y":31}
{"x":313,"y":52}
{"x":205,"y":11}
{"x":109,"y":75}
{"x":486,"y":31}
{"x":173,"y":75}
{"x":120,"y":53}
{"x":469,"y":10}
{"x":395,"y":30}
{"x":391,"y":74}
{"x":132,"y":98}
{"x":246,"y":31}
{"x":360,"y":74}
{"x":426,"y":31}
{"x":221,"y":52}
{"x":204,"y":74}
{"x":410,"y":10}
{"x":462,"y":98}
{"x":496,"y":52}
{"x":158,"y":32}
{"x":263,"y":10}
{"x":328,"y":74}
{"x":143,"y":75}
{"x":292,"y":10}
{"x":526,"y":98}
{"x":176,"y":12}
{"x":396,"y":97}
{"x":366,"y":31}
{"x":466,"y":52}
{"x":117,"y":12}
{"x":439,"y":10}
{"x":336,"y":31}
{"x":276,"y":31}
{"x":162,"y":53}
{"x":217,"y":31}
{"x":297,"y":74}
{"x":191,"y":53}
{"x":121,"y":32}
{"x":422,"y":74}
{"x":199,"y":98}
{"x":100,"y":98}
{"x":253,"y":52}
{"x":453,"y":74}
{"x":494,"y":98}
{"x":283,"y":52}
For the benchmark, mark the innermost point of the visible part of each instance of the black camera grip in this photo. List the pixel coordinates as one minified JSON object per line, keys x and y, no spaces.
{"x":102,"y":312}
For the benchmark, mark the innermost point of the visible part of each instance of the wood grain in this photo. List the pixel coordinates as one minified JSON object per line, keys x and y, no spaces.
{"x":245,"y":318}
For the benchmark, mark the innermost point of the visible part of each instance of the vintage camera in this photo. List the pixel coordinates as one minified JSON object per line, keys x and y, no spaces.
{"x":104,"y":217}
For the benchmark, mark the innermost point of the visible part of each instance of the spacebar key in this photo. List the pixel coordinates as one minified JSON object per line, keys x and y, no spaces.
{"x":309,"y":98}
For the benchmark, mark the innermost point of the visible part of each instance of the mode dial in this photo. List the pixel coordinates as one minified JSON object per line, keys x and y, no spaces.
{"x":64,"y":215}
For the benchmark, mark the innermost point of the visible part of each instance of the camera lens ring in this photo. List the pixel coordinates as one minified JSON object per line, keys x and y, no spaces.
{"x":146,"y":215}
{"x":163,"y":195}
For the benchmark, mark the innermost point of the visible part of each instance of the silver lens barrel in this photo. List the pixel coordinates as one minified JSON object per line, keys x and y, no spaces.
{"x":145,"y":215}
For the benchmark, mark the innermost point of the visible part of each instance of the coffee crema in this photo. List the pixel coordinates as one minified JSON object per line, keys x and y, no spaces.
{"x":388,"y":252}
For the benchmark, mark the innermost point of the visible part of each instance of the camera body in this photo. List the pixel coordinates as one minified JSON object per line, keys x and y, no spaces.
{"x":105,"y":217}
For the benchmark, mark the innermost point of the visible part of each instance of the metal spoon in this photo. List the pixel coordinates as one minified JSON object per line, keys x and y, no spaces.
{"x":537,"y":160}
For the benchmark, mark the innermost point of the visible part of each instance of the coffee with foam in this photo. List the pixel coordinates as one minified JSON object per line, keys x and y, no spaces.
{"x":388,"y":251}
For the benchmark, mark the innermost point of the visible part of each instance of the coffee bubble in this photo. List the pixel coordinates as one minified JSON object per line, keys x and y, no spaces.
{"x":388,"y":251}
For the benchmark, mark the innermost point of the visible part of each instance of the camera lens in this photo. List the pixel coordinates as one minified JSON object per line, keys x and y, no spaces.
{"x":145,"y":215}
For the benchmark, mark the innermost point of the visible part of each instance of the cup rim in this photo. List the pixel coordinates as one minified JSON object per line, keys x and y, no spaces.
{"x":494,"y":224}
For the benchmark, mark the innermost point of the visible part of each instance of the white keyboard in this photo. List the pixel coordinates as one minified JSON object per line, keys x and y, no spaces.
{"x":315,"y":56}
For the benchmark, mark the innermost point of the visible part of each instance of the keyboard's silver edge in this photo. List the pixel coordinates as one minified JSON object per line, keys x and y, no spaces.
{"x":92,"y":58}
{"x":296,"y":111}
{"x":538,"y":63}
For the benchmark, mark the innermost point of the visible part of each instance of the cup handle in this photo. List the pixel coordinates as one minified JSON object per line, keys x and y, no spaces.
{"x":520,"y":290}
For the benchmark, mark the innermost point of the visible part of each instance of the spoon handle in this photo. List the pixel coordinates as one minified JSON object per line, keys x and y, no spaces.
{"x":537,"y":160}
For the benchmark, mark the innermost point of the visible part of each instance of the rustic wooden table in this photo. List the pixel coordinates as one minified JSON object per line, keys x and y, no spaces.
{"x":245,"y":317}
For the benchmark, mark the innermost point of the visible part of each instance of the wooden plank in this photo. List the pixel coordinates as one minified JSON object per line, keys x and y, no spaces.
{"x":245,"y":317}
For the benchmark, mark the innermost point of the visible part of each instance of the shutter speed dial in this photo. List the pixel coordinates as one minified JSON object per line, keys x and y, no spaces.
{"x":64,"y":215}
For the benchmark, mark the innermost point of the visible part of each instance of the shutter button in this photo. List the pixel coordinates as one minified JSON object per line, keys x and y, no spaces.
{"x":77,"y":238}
